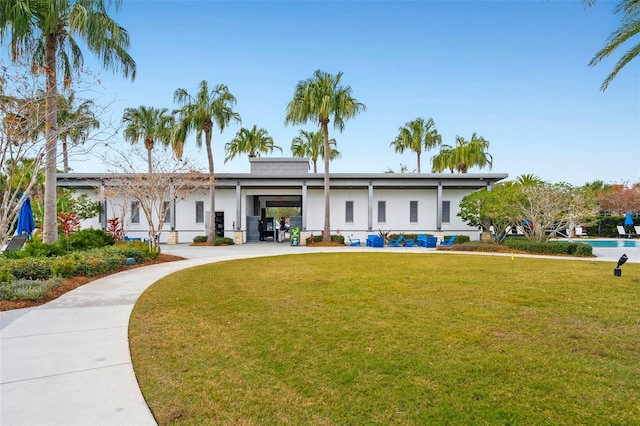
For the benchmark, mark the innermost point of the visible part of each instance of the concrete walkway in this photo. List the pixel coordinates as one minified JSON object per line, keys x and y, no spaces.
{"x":67,"y":362}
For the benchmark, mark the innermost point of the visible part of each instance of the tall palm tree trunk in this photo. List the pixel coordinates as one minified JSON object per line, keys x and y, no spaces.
{"x":50,"y":225}
{"x":212,"y":185}
{"x":149,"y":160}
{"x":418,"y":154}
{"x":326,"y":237}
{"x":65,"y":157}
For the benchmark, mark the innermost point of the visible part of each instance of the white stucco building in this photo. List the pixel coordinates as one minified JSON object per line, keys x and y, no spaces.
{"x":361,"y":203}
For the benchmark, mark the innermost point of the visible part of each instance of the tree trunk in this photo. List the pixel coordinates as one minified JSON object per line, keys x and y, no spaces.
{"x":148,"y":143}
{"x":65,"y":157}
{"x":418,"y":153}
{"x":212,"y":185}
{"x":50,"y":225}
{"x":315,"y":165}
{"x":326,"y":237}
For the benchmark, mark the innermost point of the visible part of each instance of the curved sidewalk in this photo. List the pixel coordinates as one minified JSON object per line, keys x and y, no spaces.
{"x":67,"y":362}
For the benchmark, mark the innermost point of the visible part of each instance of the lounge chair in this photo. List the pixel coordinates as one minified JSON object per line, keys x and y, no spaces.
{"x":580,"y":232}
{"x":408,"y":242}
{"x":422,"y":240}
{"x":637,"y":229}
{"x":376,"y":241}
{"x":15,"y":243}
{"x":449,"y":243}
{"x":396,"y":242}
{"x":621,"y":231}
{"x":354,"y":242}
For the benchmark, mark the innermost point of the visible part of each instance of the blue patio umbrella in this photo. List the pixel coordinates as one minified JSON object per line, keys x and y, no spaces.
{"x":628,"y":221}
{"x":25,"y":219}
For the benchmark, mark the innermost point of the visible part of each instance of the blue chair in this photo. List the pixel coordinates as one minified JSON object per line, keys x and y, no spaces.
{"x":354,"y":242}
{"x":374,"y":241}
{"x":408,"y":242}
{"x":448,"y":243}
{"x":377,"y":242}
{"x":396,"y":242}
{"x":432,"y":242}
{"x":422,"y":240}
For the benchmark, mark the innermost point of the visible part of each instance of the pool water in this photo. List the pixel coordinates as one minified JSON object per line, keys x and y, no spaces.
{"x":612,"y":243}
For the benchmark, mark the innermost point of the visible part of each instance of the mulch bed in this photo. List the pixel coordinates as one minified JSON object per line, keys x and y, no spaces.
{"x":69,"y":284}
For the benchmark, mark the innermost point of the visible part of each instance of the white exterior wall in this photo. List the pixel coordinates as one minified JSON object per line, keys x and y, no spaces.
{"x":397,"y":211}
{"x":456,"y":225}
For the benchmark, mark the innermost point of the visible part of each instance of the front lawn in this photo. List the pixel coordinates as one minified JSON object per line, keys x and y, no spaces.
{"x":391,"y":338}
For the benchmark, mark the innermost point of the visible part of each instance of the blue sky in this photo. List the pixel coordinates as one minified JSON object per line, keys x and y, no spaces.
{"x":514,"y":72}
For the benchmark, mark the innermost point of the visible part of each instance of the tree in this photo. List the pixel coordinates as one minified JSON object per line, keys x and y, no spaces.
{"x":417,"y":135}
{"x":528,"y":179}
{"x":199,"y":114}
{"x":464,"y":155}
{"x":21,"y":147}
{"x":492,"y":208}
{"x":253,"y":142}
{"x":149,"y":125}
{"x":46,"y":31}
{"x":74,"y":124}
{"x":170,"y":182}
{"x":320,"y":99}
{"x":445,"y":159}
{"x":548,"y":208}
{"x":619,"y":199}
{"x":311,"y":145}
{"x":630,"y":27}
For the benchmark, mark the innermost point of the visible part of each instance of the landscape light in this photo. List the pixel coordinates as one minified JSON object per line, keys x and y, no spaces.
{"x":617,"y":271}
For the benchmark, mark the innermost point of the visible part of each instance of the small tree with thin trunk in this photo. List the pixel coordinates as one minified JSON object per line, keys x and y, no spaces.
{"x":156,"y":192}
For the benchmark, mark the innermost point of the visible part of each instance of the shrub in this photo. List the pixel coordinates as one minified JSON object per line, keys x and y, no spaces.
{"x":479,"y":246}
{"x":200,"y":239}
{"x":30,"y":268}
{"x":98,"y":262}
{"x":36,"y":248}
{"x":128,"y":251}
{"x":5,"y":275}
{"x":220,"y":241}
{"x":64,"y":267}
{"x":87,"y":239}
{"x":27,"y":289}
{"x":318,"y":239}
{"x":550,"y":247}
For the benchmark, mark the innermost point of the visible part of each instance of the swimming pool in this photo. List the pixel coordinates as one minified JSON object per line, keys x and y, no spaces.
{"x":611,"y":243}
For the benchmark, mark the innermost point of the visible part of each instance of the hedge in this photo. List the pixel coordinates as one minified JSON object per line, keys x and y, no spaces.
{"x":551,"y":247}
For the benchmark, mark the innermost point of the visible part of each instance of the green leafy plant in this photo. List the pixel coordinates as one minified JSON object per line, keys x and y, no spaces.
{"x":223,"y":241}
{"x":86,"y":239}
{"x":27,"y":289}
{"x":200,"y":239}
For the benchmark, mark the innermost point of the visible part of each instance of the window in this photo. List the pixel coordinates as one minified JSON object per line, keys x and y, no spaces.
{"x":135,"y":212}
{"x":166,"y":208}
{"x":348,"y":218}
{"x":413,"y":212}
{"x":199,"y":211}
{"x":446,"y":211}
{"x":382,"y":211}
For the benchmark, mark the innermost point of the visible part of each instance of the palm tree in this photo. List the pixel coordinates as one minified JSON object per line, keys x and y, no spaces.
{"x":463,"y":156}
{"x":629,"y":28}
{"x":150,"y":125}
{"x":311,"y":145}
{"x":417,"y":135}
{"x":472,"y":153}
{"x":253,"y":142}
{"x":74,"y":125}
{"x":46,"y":31}
{"x":528,"y":179}
{"x":199,"y":114}
{"x":445,"y":159}
{"x":320,"y":99}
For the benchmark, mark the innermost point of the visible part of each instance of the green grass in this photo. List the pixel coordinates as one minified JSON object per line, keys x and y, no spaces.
{"x":386,"y":338}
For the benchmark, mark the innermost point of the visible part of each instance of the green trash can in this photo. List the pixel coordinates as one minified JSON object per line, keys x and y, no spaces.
{"x":295,"y":236}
